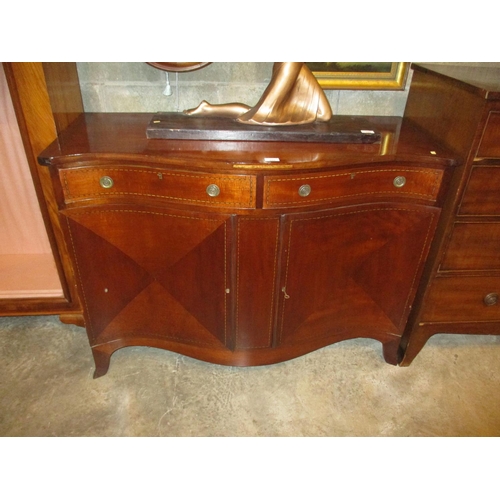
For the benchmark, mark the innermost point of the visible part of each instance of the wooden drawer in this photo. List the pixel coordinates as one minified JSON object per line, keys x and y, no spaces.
{"x":463,"y":299}
{"x":188,"y":188}
{"x":490,"y":142}
{"x":482,"y":193}
{"x":473,"y":246}
{"x":316,"y":189}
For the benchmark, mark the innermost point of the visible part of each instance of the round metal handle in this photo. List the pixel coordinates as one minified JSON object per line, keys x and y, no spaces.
{"x":399,"y":181}
{"x":491,"y":299}
{"x":106,"y":182}
{"x":304,"y":190}
{"x":213,"y":190}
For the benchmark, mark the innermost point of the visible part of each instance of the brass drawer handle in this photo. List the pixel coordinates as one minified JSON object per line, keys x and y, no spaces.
{"x":491,"y":299}
{"x":213,"y":190}
{"x":399,"y":181}
{"x":305,"y":190}
{"x":106,"y":182}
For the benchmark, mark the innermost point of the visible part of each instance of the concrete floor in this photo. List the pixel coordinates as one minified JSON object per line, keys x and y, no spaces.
{"x":46,"y":389}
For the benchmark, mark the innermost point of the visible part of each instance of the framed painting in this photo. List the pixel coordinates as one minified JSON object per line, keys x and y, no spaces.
{"x":360,"y":75}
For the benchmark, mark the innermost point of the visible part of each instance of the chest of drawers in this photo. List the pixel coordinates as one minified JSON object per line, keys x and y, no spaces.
{"x":461,"y":293}
{"x":206,"y":249}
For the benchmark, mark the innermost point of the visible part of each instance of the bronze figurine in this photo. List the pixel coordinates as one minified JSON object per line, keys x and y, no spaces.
{"x":293,"y":97}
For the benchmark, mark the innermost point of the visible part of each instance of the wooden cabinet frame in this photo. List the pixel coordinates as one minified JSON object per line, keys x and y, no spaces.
{"x":46,"y":99}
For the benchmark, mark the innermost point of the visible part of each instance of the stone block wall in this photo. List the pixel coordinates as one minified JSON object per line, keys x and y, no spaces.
{"x":139,"y":87}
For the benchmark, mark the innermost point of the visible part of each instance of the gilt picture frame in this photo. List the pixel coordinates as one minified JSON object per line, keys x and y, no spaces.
{"x":360,"y":75}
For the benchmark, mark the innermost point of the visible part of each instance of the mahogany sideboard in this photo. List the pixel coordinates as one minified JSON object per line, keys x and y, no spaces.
{"x":460,"y":290}
{"x":245,"y":252}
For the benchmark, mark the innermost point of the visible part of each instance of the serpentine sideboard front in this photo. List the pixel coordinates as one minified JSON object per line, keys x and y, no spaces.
{"x":245,"y":253}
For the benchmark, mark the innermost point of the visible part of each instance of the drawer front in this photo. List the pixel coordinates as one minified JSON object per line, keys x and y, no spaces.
{"x":482,"y":193}
{"x":316,"y":189}
{"x":188,"y":188}
{"x":490,"y":142}
{"x":473,"y":246}
{"x":463,"y":299}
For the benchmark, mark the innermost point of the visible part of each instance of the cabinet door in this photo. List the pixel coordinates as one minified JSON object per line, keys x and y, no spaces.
{"x":148,"y":273}
{"x":352,"y":272}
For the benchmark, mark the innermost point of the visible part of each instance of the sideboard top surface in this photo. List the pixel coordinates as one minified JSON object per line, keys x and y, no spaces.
{"x":122,"y":137}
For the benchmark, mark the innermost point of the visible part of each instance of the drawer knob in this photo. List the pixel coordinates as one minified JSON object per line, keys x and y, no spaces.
{"x":106,"y":182}
{"x":304,"y":190}
{"x":213,"y":190}
{"x":491,"y":299}
{"x":399,"y":181}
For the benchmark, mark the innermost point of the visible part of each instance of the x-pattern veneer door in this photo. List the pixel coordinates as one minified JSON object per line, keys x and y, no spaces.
{"x":152,"y":276}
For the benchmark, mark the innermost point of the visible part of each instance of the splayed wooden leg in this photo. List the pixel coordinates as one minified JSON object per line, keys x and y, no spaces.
{"x":390,"y":351}
{"x":102,"y":360}
{"x":416,"y":342}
